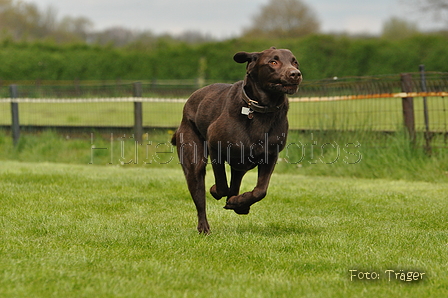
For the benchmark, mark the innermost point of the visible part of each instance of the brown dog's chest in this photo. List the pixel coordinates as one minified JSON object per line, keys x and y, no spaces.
{"x":248,"y":142}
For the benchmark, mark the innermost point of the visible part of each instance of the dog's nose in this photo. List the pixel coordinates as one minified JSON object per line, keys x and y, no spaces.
{"x":295,"y":74}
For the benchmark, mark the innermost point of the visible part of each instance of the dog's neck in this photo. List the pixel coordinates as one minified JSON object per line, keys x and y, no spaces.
{"x":256,"y":97}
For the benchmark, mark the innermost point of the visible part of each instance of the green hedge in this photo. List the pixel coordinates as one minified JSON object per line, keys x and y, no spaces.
{"x":321,"y":56}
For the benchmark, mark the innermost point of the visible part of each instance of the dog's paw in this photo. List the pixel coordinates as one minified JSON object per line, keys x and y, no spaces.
{"x":239,"y":208}
{"x":203,"y":228}
{"x":216,"y":194}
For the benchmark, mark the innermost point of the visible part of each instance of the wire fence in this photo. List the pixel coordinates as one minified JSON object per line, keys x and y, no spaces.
{"x":352,"y":103}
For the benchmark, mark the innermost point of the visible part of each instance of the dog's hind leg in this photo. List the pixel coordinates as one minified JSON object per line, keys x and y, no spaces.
{"x":190,"y":148}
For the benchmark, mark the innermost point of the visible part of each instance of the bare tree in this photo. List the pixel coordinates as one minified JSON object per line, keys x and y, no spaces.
{"x":5,"y":5}
{"x":48,"y":20}
{"x":396,"y":28}
{"x":78,"y":26}
{"x":117,"y":36}
{"x":192,"y":36}
{"x":25,"y":21}
{"x":283,"y":19}
{"x":438,"y":8}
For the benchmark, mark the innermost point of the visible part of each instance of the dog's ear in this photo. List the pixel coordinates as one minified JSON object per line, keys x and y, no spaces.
{"x":243,"y":57}
{"x":250,"y":58}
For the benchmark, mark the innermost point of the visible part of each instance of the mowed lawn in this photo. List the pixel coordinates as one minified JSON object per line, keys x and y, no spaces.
{"x":113,"y":231}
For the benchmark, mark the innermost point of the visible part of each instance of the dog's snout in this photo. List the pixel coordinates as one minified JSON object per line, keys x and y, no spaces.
{"x":295,"y":74}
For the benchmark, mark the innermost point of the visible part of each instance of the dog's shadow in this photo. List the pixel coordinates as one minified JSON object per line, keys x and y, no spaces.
{"x":277,"y":229}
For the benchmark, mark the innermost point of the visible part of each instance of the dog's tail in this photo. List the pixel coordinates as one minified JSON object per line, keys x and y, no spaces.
{"x":173,"y":139}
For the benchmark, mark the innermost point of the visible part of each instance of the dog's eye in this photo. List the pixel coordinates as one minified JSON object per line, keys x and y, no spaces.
{"x":273,"y":62}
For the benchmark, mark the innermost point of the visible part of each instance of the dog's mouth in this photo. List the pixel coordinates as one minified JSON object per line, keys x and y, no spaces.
{"x":287,"y":88}
{"x":289,"y":85}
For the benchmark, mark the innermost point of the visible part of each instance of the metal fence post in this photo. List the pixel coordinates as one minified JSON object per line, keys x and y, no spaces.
{"x":15,"y":125}
{"x":138,"y":113}
{"x":408,"y":105}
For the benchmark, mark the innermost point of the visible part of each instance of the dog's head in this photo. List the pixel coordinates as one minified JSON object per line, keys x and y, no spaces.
{"x":275,"y":70}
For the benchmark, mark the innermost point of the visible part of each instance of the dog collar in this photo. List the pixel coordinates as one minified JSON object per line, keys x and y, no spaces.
{"x":253,"y":105}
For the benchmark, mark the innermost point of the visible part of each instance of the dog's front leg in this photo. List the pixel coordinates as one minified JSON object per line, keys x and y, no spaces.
{"x":241,"y":203}
{"x":221,"y":188}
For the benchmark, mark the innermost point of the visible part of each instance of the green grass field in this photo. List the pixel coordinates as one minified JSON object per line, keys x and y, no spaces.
{"x":125,"y":225}
{"x":114,"y":231}
{"x":384,"y":114}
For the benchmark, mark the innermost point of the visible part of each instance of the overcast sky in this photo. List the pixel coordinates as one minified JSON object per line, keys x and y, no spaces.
{"x":226,"y":18}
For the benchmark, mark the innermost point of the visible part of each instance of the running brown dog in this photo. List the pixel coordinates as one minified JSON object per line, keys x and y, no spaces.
{"x":243,"y":124}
